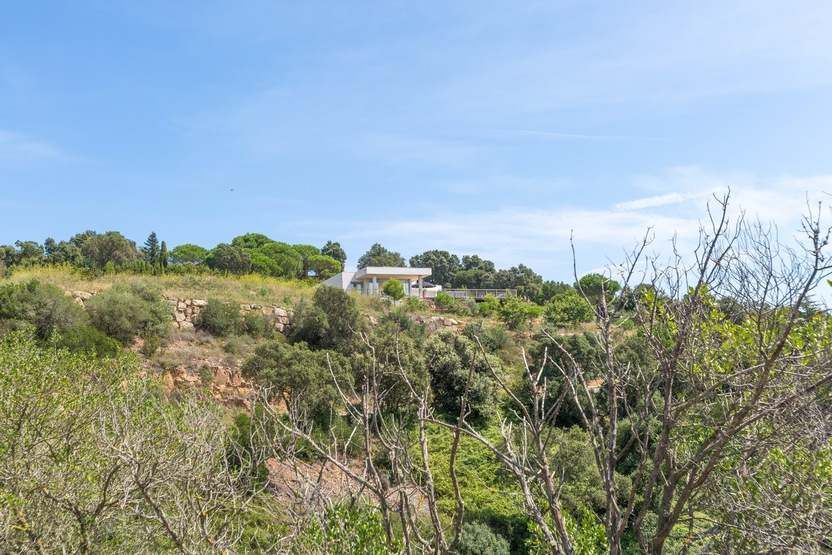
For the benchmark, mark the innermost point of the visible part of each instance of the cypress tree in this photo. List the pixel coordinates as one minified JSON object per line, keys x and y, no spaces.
{"x":163,"y":255}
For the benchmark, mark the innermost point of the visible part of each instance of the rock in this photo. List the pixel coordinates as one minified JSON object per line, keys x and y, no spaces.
{"x":180,"y":305}
{"x":280,"y":312}
{"x":179,"y":316}
{"x":221,"y":376}
{"x":167,"y":383}
{"x":199,"y":302}
{"x":185,"y":325}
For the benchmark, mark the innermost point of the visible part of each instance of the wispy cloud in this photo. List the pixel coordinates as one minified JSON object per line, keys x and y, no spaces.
{"x":544,"y":134}
{"x":657,"y":201}
{"x":16,"y":148}
{"x":540,"y":236}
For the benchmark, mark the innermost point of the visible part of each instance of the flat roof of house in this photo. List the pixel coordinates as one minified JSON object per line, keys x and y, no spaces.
{"x":391,"y":271}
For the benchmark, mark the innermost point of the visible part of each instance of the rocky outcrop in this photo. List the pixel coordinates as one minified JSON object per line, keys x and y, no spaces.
{"x":226,"y":385}
{"x":80,"y":297}
{"x":434,"y":323}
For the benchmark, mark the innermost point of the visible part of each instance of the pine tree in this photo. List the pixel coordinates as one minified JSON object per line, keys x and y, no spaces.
{"x":151,"y":248}
{"x":163,"y":255}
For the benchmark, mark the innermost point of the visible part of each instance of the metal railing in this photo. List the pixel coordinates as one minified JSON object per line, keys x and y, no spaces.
{"x":480,"y":294}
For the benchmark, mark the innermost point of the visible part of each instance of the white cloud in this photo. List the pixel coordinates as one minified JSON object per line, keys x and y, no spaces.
{"x":19,"y":149}
{"x":539,"y":236}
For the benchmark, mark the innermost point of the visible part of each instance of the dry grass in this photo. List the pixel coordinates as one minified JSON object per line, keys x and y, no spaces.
{"x":242,"y":289}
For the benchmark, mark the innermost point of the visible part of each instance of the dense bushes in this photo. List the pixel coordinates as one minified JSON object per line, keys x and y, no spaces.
{"x":53,"y":316}
{"x":329,"y":322}
{"x":43,"y":306}
{"x":219,"y":318}
{"x":450,"y":360}
{"x":477,"y":539}
{"x":126,"y":311}
{"x":567,"y":308}
{"x":516,"y":313}
{"x":298,"y":375}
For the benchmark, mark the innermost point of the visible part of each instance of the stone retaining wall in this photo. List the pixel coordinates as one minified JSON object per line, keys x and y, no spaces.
{"x":186,"y":311}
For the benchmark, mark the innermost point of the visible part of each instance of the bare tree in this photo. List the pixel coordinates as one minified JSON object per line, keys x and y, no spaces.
{"x":705,"y":393}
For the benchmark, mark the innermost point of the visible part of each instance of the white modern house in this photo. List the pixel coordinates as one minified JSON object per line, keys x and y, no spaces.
{"x":370,"y":280}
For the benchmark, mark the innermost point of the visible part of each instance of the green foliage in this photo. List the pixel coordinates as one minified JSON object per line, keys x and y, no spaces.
{"x":219,"y":318}
{"x":548,"y":290}
{"x":489,"y":306}
{"x":414,"y":304}
{"x":490,"y":495}
{"x":333,"y":249}
{"x":593,"y":285}
{"x":188,"y":254}
{"x":298,"y":375}
{"x":151,"y":249}
{"x":445,"y":301}
{"x":88,"y":339}
{"x":516,"y":313}
{"x":380,"y":256}
{"x":29,"y":253}
{"x":477,"y":539}
{"x":443,"y":264}
{"x":251,"y":241}
{"x":257,"y":325}
{"x":329,"y":322}
{"x":394,"y":289}
{"x":107,"y":248}
{"x":568,"y":308}
{"x":43,"y":306}
{"x":163,"y":255}
{"x":456,"y":364}
{"x":345,"y":530}
{"x":273,"y":258}
{"x":88,"y":429}
{"x":324,"y":266}
{"x":492,"y":338}
{"x":126,"y":311}
{"x":229,"y":258}
{"x":306,"y":252}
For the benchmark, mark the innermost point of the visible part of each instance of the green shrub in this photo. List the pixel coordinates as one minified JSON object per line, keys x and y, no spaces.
{"x":489,"y":305}
{"x":257,"y":325}
{"x":493,"y":338}
{"x":444,"y":301}
{"x":329,"y":322}
{"x":450,"y":359}
{"x":41,"y":305}
{"x":88,"y":339}
{"x":126,"y":311}
{"x":297,"y":375}
{"x":394,"y":289}
{"x":478,"y":539}
{"x":413,"y":304}
{"x":344,"y":530}
{"x":516,"y":313}
{"x":567,"y":308}
{"x":219,"y":318}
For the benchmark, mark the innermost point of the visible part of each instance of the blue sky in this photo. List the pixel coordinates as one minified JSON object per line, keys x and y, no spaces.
{"x":489,"y":127}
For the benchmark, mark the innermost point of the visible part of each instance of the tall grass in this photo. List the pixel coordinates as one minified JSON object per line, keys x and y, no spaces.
{"x":250,"y":288}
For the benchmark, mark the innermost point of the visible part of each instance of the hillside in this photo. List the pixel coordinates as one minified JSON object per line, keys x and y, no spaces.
{"x":212,"y":410}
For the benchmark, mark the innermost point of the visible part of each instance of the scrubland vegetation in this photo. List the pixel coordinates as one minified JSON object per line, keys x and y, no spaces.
{"x":679,"y":406}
